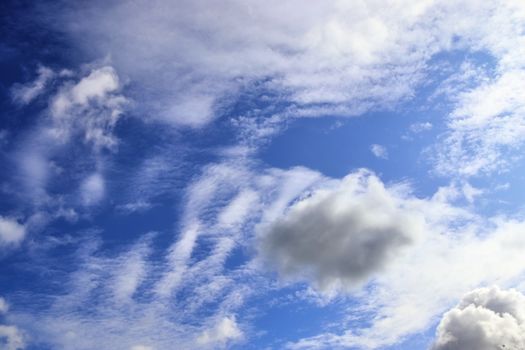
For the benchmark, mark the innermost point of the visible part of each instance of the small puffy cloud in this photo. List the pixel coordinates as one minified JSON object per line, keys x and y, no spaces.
{"x":11,"y":338}
{"x":11,"y":232}
{"x":340,"y":236}
{"x":92,"y":189}
{"x":379,"y":151}
{"x":225,"y":331}
{"x":486,"y":319}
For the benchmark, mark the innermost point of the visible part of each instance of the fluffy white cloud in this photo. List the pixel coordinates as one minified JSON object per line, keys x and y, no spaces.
{"x":11,"y":232}
{"x":343,"y":234}
{"x":91,"y":107}
{"x":485,"y":319}
{"x":379,"y":151}
{"x":223,"y":332}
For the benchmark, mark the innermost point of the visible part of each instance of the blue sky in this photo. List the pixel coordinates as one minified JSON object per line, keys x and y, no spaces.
{"x":262,"y":175}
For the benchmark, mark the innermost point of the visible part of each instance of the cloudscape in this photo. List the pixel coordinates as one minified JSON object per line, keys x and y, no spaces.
{"x":340,"y":174}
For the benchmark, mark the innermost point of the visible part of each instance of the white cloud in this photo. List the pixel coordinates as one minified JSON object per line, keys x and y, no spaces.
{"x":11,"y":232}
{"x":488,"y":122}
{"x":92,"y":189}
{"x":379,"y":151}
{"x":328,"y":57}
{"x":141,"y":347}
{"x":131,"y":272}
{"x":420,"y":127}
{"x":11,"y":338}
{"x":470,"y":192}
{"x":343,"y":234}
{"x":90,"y":107}
{"x":25,"y":93}
{"x":485,"y":319}
{"x":458,"y":254}
{"x":84,"y":109}
{"x":4,"y":306}
{"x":243,"y":204}
{"x":224,"y":331}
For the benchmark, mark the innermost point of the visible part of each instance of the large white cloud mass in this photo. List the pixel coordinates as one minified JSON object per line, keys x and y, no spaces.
{"x":331,"y":57}
{"x":342,"y":234}
{"x":486,"y":319}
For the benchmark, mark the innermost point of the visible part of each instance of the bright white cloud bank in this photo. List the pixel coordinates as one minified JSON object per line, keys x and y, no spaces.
{"x":485,"y":319}
{"x":331,"y":57}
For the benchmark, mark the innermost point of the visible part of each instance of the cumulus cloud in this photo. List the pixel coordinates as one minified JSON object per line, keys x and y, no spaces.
{"x":485,"y":319}
{"x":223,"y":332}
{"x":379,"y":151}
{"x":343,"y":234}
{"x":11,"y":232}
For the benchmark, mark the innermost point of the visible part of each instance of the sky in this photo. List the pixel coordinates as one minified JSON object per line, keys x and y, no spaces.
{"x":262,"y":174}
